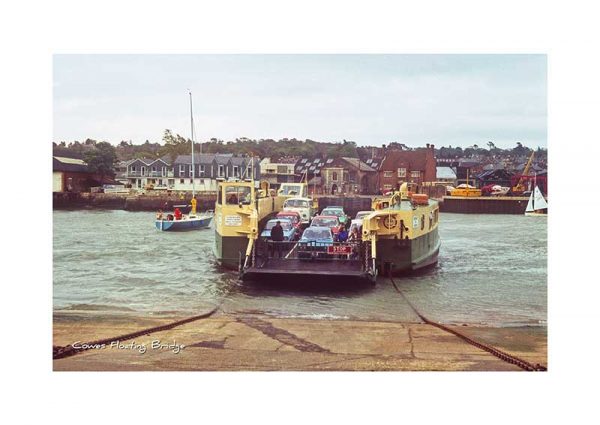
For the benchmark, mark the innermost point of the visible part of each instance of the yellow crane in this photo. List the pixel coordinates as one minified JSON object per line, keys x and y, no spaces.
{"x":520,"y":186}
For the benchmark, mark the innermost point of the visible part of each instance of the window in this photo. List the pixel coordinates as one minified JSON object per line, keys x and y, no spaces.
{"x":334,"y":176}
{"x":388,"y":174}
{"x":295,"y":203}
{"x":191,"y":181}
{"x":401,"y":172}
{"x":132,"y":169}
{"x":143,"y":170}
{"x":181,"y":169}
{"x":202,"y":170}
{"x":235,"y":171}
{"x":249,"y":171}
{"x":237,"y":195}
{"x":221,"y":171}
{"x":191,"y":170}
{"x":181,"y":181}
{"x":164,"y":171}
{"x":415,"y":174}
{"x":282,"y":169}
{"x":153,"y":169}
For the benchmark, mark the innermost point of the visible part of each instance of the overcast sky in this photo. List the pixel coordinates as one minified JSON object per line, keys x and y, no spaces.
{"x":457,"y":100}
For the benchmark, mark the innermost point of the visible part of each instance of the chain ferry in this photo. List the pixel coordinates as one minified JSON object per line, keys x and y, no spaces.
{"x":400,"y":234}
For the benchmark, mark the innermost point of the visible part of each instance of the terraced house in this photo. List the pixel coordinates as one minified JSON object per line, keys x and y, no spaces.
{"x":144,"y":172}
{"x":210,"y":168}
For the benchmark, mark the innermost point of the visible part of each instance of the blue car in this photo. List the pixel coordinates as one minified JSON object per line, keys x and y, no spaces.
{"x":314,"y":242}
{"x":337,"y":211}
{"x":289,"y":231}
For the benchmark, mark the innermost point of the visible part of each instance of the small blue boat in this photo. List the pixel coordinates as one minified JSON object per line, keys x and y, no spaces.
{"x":178,"y":221}
{"x":187,"y":222}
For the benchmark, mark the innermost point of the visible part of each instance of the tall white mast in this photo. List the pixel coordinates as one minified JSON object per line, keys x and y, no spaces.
{"x":193,"y":165}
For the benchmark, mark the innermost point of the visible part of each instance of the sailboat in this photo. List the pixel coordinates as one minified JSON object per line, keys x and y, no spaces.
{"x":192,"y":221}
{"x":537,"y":205}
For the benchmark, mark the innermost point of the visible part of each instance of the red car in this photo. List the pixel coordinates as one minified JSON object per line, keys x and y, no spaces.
{"x":331,"y":221}
{"x":294,"y":217}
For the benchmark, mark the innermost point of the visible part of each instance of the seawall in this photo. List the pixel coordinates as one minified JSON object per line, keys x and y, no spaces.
{"x":206,"y":201}
{"x":484,"y":205}
{"x":139,"y":202}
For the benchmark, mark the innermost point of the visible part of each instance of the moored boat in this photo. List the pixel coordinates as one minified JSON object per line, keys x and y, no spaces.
{"x":537,"y":205}
{"x":177,"y":221}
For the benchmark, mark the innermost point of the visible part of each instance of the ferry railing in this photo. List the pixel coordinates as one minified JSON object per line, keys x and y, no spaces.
{"x":268,"y":252}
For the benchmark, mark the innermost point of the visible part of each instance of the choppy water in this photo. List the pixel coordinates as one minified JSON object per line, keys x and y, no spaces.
{"x":492,"y":270}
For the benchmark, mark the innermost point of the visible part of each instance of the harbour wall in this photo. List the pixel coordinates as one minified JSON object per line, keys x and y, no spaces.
{"x":206,"y":201}
{"x":139,"y":202}
{"x":484,"y":205}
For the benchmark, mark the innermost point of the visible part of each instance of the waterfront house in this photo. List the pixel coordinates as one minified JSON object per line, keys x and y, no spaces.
{"x":399,"y":166}
{"x":348,"y":175}
{"x":210,"y":168}
{"x":336,"y":175}
{"x":144,"y":172}
{"x":278,"y":171}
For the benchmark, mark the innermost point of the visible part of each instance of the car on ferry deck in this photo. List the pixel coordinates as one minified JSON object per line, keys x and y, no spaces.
{"x":302,"y":206}
{"x":330,"y":221}
{"x":294,"y":217}
{"x":314,"y":242}
{"x":337,"y":211}
{"x":290,"y":233}
{"x":359,"y":219}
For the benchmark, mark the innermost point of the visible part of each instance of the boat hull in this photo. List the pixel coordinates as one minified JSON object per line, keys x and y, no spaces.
{"x":536,"y":214}
{"x":227,"y":250}
{"x":407,"y":255}
{"x":183,"y":225}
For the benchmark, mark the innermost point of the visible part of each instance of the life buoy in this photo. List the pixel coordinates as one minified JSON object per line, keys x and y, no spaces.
{"x":390,"y":222}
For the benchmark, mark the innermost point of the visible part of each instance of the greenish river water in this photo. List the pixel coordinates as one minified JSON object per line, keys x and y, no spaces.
{"x":492,"y":271}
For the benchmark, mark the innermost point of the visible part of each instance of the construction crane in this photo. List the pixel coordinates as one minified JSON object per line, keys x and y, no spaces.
{"x":520,"y":186}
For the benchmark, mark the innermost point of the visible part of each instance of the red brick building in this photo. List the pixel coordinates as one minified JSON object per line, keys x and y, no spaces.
{"x":399,"y":166}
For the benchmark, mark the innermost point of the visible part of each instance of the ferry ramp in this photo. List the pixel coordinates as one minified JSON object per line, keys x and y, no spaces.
{"x":293,"y":260}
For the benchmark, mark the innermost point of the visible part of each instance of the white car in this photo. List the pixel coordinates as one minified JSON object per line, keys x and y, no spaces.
{"x":359,"y":218}
{"x":302,"y":206}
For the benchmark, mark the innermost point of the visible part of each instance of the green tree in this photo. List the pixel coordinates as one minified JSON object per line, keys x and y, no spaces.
{"x":102,"y":159}
{"x":174,"y":145}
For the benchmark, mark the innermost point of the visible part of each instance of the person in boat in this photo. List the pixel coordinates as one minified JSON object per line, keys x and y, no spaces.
{"x":277,"y":238}
{"x":177,"y":213}
{"x":159,"y":215}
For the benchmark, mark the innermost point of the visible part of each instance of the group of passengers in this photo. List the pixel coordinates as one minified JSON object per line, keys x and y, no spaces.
{"x":177,"y":215}
{"x":347,"y":233}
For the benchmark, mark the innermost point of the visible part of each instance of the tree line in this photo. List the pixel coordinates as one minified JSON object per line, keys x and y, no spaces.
{"x":102,"y":156}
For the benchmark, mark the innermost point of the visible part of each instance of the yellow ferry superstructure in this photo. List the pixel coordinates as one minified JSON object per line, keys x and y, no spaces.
{"x":400,"y":234}
{"x":242,"y":207}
